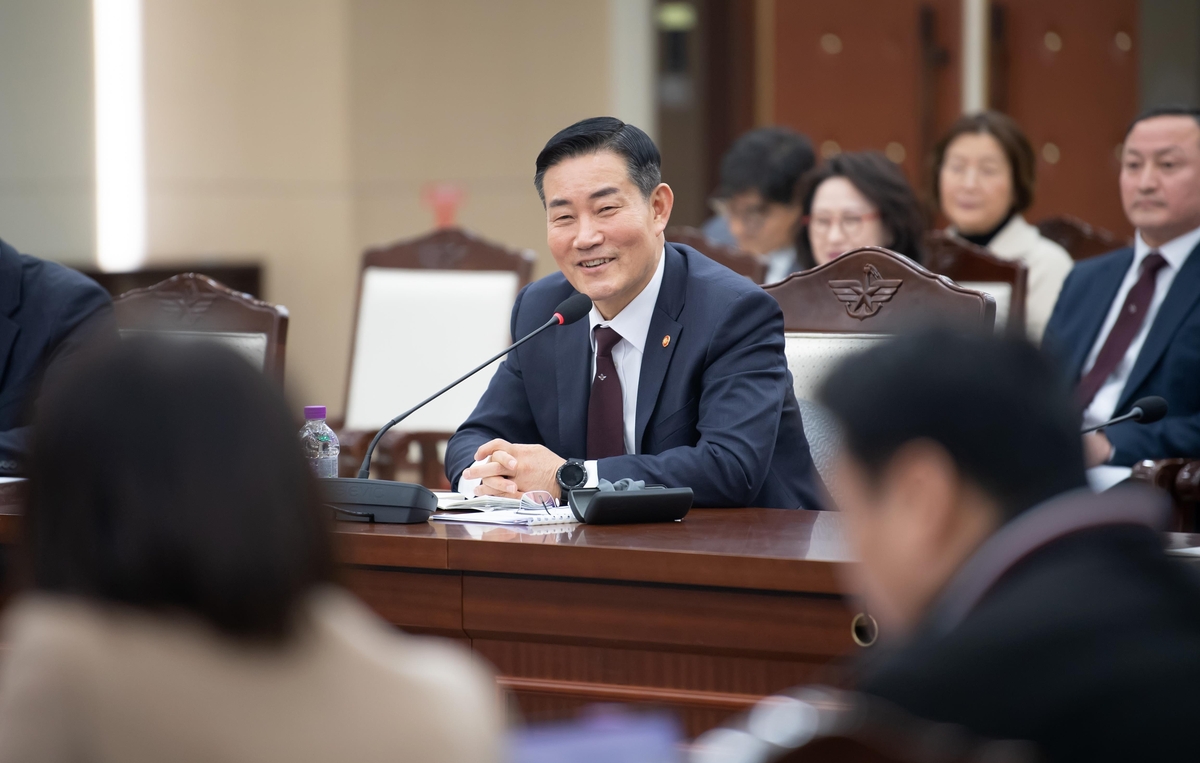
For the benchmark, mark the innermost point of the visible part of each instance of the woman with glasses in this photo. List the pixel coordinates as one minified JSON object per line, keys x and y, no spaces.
{"x":180,"y":599}
{"x":983,"y":178}
{"x":855,"y":200}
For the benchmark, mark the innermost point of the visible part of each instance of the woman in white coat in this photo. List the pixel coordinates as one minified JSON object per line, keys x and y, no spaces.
{"x":983,"y":180}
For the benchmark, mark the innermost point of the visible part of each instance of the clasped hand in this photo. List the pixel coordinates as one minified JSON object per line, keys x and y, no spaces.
{"x":513,"y":469}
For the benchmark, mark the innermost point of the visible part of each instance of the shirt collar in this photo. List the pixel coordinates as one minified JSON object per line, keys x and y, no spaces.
{"x":783,"y":254}
{"x":633,"y":323}
{"x":1175,"y":251}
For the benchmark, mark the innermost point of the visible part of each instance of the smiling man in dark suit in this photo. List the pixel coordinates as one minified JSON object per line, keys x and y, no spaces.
{"x":47,"y":312}
{"x":678,"y":377}
{"x":1127,"y":324}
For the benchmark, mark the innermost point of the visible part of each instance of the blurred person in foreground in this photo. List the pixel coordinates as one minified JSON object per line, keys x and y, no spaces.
{"x":757,"y":194}
{"x":1011,"y":599}
{"x":180,"y":603}
{"x":47,"y":313}
{"x":854,"y":200}
{"x":1127,"y":323}
{"x":983,"y":179}
{"x":678,"y":377}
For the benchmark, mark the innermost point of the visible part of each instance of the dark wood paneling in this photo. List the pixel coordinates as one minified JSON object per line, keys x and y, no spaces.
{"x":858,"y":74}
{"x":747,"y":675}
{"x":702,"y":620}
{"x":416,"y":601}
{"x":1080,"y":98}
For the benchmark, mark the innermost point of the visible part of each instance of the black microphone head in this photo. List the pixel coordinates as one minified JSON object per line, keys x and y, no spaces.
{"x":573,"y":308}
{"x":1153,"y":409}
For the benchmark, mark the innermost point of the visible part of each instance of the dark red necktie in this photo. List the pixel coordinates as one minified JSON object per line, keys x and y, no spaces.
{"x":1129,"y":323}
{"x":606,"y":411}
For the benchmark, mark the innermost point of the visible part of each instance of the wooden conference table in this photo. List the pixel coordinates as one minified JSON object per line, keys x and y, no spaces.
{"x":702,"y":616}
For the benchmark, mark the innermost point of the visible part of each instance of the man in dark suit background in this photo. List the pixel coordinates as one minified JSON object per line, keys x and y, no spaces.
{"x":678,"y":377}
{"x":1011,"y":599}
{"x":1127,"y":324}
{"x":47,"y":312}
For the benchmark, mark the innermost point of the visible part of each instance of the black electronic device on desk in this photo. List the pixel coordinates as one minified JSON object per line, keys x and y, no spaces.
{"x":367,"y":500}
{"x":653,"y":503}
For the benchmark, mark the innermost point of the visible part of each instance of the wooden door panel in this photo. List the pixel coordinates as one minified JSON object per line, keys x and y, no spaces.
{"x":856,"y":74}
{"x":1070,"y":80}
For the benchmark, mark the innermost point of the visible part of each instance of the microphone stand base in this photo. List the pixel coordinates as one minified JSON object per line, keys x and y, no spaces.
{"x":396,"y":503}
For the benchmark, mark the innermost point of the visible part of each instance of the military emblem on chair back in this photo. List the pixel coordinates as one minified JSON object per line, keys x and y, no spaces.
{"x":190,"y":307}
{"x":863,"y":299}
{"x":876,"y":291}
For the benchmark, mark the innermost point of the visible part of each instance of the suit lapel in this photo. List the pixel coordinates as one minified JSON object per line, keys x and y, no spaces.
{"x":1185,"y":290}
{"x":10,"y":300}
{"x":657,"y":358}
{"x":1106,"y":287}
{"x":573,"y":367}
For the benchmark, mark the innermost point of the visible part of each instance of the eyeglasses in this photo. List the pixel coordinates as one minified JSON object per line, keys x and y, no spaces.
{"x":751,"y":216}
{"x":851,"y":223}
{"x":537,"y":502}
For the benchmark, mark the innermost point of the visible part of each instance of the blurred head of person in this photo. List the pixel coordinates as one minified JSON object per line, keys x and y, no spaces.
{"x":169,"y":477}
{"x":757,"y":191}
{"x":946,"y":436}
{"x":1160,"y":173}
{"x":983,"y":172}
{"x":854,"y":200}
{"x":606,"y":208}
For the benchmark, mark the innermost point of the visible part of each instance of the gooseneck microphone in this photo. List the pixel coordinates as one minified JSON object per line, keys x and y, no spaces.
{"x":1146,"y":410}
{"x":402,"y":502}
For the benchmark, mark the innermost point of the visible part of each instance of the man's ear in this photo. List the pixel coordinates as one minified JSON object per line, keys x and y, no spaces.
{"x":924,"y":478}
{"x":662,"y":201}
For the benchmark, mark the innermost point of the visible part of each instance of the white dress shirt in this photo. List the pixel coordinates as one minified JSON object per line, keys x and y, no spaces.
{"x":1104,"y":405}
{"x":780,"y":263}
{"x":633,"y":324}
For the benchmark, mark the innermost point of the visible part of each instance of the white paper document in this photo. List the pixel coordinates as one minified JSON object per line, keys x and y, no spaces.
{"x":527,"y":517}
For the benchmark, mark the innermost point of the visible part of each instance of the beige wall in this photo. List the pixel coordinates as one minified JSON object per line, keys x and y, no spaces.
{"x":303,"y":131}
{"x":47,"y":165}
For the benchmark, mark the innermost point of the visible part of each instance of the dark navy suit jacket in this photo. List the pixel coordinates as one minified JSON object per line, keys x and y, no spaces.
{"x":47,"y":311}
{"x":715,"y":412}
{"x":1168,"y":364}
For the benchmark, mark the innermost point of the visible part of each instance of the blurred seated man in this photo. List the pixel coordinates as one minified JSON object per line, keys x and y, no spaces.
{"x":757,"y":195}
{"x":181,"y":603}
{"x":677,"y":378}
{"x":1127,"y":324}
{"x":1011,"y":599}
{"x":47,"y":312}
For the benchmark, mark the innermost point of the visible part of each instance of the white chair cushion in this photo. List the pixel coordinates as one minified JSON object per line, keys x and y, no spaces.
{"x":810,"y":357}
{"x":418,"y":330}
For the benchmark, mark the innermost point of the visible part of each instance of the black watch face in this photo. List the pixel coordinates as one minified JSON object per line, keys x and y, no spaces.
{"x":572,"y":475}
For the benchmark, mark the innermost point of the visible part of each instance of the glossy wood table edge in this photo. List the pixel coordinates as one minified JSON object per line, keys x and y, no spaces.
{"x":764,"y":549}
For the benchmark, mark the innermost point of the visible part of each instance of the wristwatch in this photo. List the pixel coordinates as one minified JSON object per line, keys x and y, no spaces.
{"x":572,"y":475}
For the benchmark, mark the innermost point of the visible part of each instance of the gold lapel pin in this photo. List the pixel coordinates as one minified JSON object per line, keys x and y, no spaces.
{"x":666,"y":340}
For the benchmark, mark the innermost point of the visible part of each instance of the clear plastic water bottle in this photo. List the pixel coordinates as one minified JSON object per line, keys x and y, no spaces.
{"x":320,"y":443}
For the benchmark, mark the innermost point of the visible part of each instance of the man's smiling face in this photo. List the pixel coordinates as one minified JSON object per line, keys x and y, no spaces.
{"x":604,"y":234}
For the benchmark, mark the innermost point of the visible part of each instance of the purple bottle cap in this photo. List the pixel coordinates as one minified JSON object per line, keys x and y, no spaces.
{"x":314,"y":412}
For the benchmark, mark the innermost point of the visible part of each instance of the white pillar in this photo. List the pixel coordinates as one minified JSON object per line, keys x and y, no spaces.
{"x":120,"y":135}
{"x":631,"y":68}
{"x":974,"y":55}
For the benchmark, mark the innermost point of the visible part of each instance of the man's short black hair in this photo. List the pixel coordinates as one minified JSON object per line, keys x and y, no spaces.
{"x":997,"y":405}
{"x":604,"y":134}
{"x":769,"y":160}
{"x":169,"y":477}
{"x":1167,"y":110}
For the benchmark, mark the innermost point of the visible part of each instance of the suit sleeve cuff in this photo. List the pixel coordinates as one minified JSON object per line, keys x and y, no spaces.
{"x":593,"y":474}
